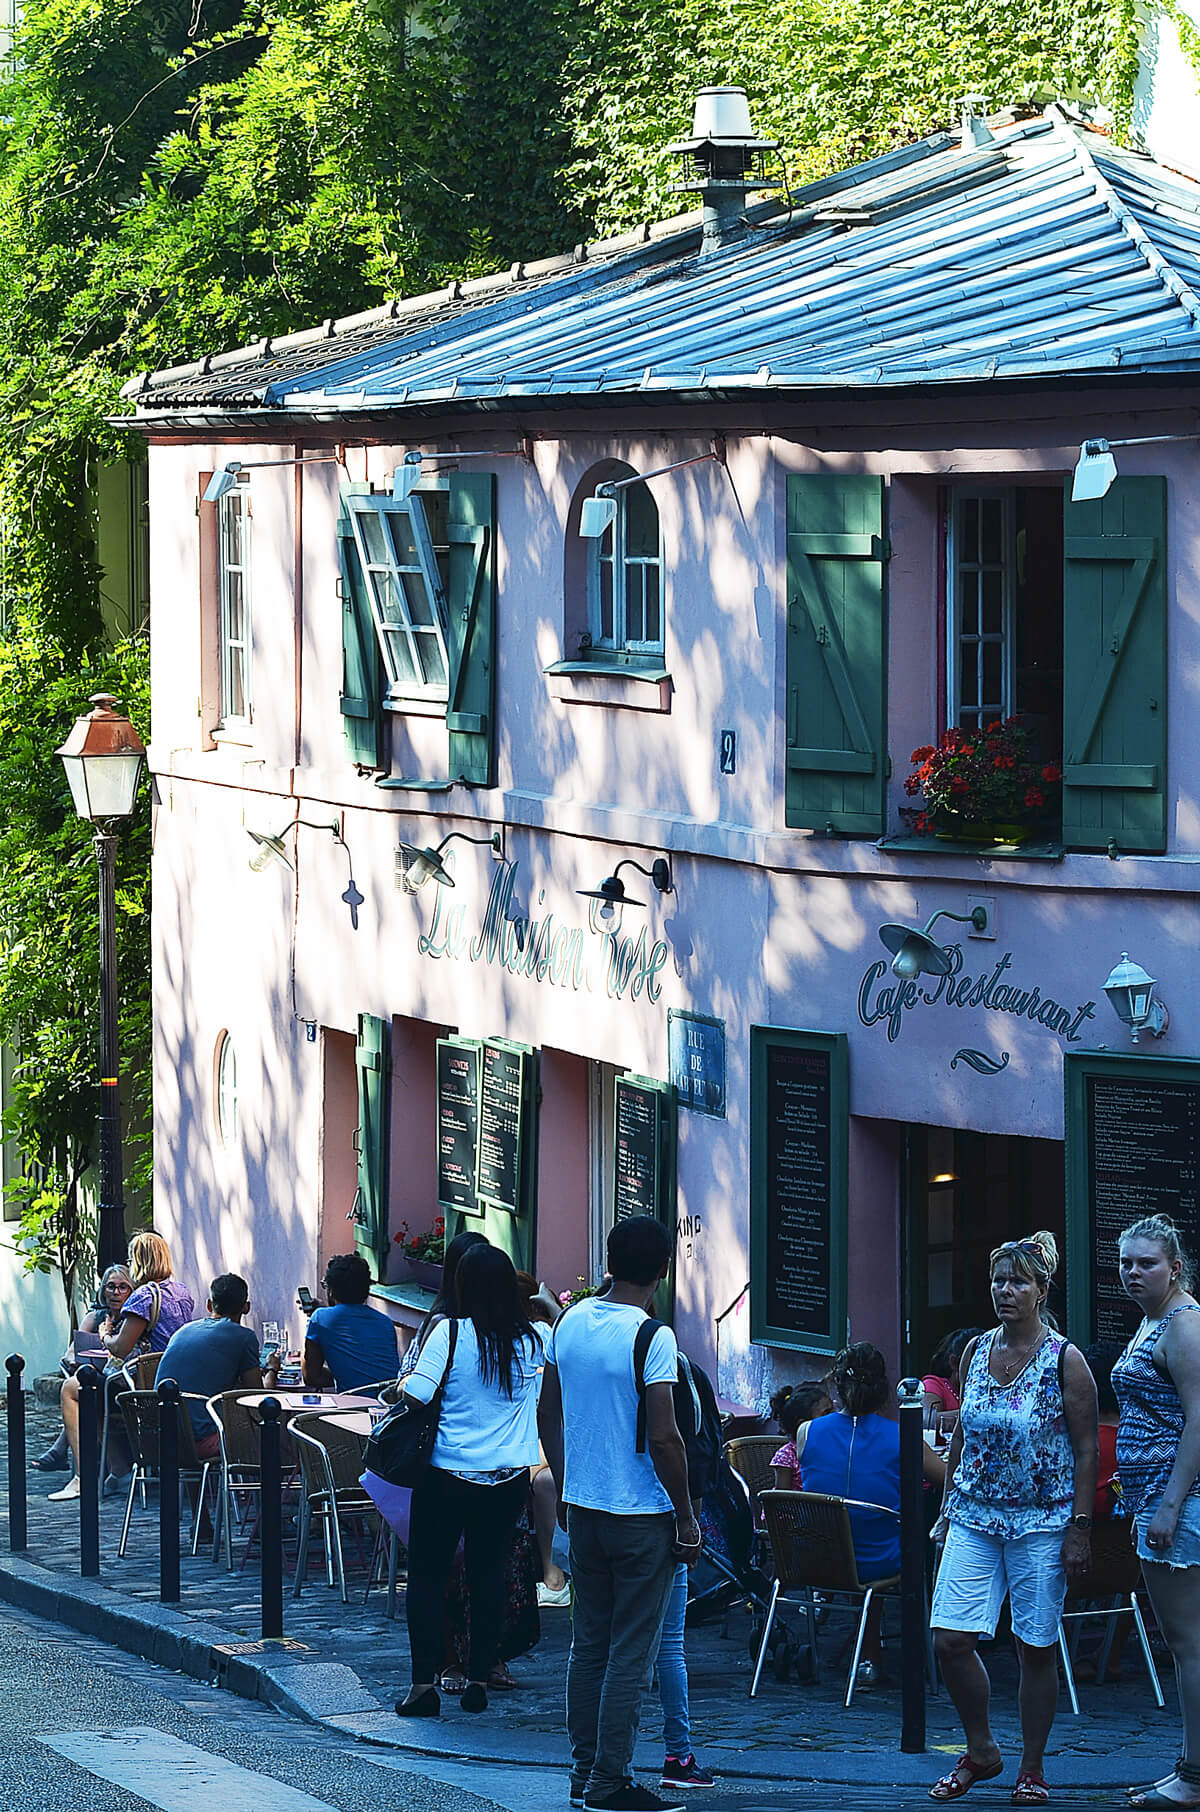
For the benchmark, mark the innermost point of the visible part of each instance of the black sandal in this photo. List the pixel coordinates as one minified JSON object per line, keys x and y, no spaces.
{"x":50,"y":1462}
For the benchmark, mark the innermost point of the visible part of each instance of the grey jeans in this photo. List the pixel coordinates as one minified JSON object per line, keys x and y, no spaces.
{"x":622,"y":1568}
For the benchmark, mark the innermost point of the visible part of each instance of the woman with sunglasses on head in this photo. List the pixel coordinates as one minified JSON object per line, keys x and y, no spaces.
{"x":1016,"y":1516}
{"x":1157,"y":1381}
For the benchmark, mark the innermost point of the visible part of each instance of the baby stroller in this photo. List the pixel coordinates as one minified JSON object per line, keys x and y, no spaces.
{"x":727,"y":1574}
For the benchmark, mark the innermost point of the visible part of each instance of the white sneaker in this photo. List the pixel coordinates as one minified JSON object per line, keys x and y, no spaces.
{"x":550,"y":1599}
{"x":69,"y":1491}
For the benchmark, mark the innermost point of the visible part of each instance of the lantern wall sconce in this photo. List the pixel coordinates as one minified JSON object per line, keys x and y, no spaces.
{"x":273,"y":849}
{"x":1131,"y":992}
{"x":914,"y":951}
{"x":611,"y":891}
{"x":416,"y":864}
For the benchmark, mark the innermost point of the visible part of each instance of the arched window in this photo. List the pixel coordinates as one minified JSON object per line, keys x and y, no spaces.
{"x":625,"y":602}
{"x":227,"y":1089}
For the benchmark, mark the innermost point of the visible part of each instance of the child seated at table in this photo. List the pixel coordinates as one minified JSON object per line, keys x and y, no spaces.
{"x":794,"y":1406}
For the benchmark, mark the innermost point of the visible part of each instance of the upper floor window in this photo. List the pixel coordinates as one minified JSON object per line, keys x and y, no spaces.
{"x":235,"y":616}
{"x":625,"y":604}
{"x":403,"y":549}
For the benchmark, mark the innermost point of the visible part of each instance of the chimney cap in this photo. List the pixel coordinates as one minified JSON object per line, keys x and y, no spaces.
{"x":722,"y":119}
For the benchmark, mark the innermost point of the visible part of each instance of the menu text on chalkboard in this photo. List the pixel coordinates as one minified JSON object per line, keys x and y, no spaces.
{"x":798,"y":1215}
{"x":501,"y":1124}
{"x":457,"y":1124}
{"x":1133,"y":1149}
{"x":637,"y":1147}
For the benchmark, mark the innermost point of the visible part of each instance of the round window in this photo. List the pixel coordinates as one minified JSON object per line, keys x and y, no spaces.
{"x":227,"y":1090}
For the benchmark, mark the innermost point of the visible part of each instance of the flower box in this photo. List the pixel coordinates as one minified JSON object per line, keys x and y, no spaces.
{"x":424,"y":1271}
{"x":984,"y":786}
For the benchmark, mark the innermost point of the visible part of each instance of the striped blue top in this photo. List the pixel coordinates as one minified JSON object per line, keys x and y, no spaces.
{"x":1151,"y":1424}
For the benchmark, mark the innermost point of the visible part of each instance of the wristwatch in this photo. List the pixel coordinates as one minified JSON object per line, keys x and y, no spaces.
{"x":1081,"y":1521}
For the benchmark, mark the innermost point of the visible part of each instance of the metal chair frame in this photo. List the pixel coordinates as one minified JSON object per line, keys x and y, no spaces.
{"x":330,"y":1456}
{"x":139,"y":1410}
{"x":1116,"y":1573}
{"x":237,"y":1428}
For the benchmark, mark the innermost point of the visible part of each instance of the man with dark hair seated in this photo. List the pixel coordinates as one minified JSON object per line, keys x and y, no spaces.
{"x":208,"y":1357}
{"x":348,"y":1344}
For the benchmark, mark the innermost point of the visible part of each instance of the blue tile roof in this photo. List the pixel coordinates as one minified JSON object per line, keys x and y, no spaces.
{"x":1049,"y":252}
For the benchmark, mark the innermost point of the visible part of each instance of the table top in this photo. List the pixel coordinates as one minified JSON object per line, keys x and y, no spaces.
{"x":358,"y":1422}
{"x":299,"y":1403}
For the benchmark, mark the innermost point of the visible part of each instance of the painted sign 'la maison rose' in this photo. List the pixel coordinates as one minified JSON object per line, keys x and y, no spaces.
{"x":543,"y":949}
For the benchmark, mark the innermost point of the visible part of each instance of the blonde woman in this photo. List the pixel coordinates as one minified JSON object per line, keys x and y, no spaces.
{"x":157,"y":1306}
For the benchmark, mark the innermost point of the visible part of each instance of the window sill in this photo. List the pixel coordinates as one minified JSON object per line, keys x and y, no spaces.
{"x":610,"y":684}
{"x":1036,"y":850}
{"x":416,"y":707}
{"x":405,"y":1295}
{"x":238,"y":735}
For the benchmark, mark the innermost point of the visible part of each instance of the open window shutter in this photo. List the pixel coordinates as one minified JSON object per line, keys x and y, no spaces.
{"x":361,"y":695}
{"x":1115,"y":668}
{"x":372,"y":1058}
{"x":471,"y":639}
{"x":836,"y":654}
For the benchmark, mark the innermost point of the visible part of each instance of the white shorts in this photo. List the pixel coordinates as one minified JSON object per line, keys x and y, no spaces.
{"x":978,"y":1570}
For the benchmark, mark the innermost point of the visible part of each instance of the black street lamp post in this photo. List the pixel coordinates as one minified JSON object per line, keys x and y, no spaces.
{"x":103,"y":758}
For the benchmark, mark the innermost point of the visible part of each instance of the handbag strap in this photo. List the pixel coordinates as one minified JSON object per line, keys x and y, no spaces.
{"x":435,"y":1402}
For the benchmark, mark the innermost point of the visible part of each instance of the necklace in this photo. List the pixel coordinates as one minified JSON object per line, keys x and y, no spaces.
{"x":1020,"y":1359}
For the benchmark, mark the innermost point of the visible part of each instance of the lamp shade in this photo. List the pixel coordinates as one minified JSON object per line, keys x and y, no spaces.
{"x":420,"y":864}
{"x":1131,"y":991}
{"x":913,"y":952}
{"x":1094,"y":473}
{"x":103,"y":759}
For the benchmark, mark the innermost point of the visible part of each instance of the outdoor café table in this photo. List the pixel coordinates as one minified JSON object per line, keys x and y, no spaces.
{"x":307,"y":1403}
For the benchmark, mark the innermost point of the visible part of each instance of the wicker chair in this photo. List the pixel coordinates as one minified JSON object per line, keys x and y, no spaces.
{"x":812,"y":1549}
{"x":331,"y":1462}
{"x":750,"y":1457}
{"x":238,"y":1425}
{"x":1115,"y":1574}
{"x":139,"y":1411}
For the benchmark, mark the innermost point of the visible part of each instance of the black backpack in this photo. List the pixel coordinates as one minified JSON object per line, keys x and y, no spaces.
{"x":696,"y":1413}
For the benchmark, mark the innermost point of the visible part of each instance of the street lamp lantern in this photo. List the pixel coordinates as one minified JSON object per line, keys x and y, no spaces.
{"x":103,"y":758}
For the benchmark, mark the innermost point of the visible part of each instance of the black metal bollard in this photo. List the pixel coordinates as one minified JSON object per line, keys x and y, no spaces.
{"x":90,"y":1386}
{"x":168,"y":1492}
{"x":18,"y":1510}
{"x":270,"y":1524}
{"x":912,"y":1568}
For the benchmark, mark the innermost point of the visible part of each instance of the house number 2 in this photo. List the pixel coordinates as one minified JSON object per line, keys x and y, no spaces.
{"x":729,"y":751}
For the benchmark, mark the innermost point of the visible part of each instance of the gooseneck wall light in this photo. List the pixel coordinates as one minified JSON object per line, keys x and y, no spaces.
{"x":1131,"y":992}
{"x":600,"y":512}
{"x":611,"y":891}
{"x":231,"y":471}
{"x":407,"y":475}
{"x":272,"y":848}
{"x":418,"y":865}
{"x":1097,"y":468}
{"x":914,"y":951}
{"x":103,"y":759}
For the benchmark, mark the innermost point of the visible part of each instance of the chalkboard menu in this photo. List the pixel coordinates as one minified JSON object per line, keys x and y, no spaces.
{"x":502,"y":1103}
{"x":799,"y":1135}
{"x":643,"y":1150}
{"x":457,"y":1124}
{"x":1133,"y":1149}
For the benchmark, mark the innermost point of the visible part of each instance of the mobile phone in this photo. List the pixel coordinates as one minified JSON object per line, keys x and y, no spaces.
{"x":315,"y":1399}
{"x":304,"y":1300}
{"x":269,"y":1350}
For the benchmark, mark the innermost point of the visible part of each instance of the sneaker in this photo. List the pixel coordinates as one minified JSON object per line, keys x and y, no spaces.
{"x":631,"y":1798}
{"x":68,"y":1494}
{"x":685,"y":1771}
{"x":549,"y":1599}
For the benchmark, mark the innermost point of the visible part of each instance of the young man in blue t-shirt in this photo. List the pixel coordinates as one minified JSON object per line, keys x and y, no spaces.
{"x":207,"y":1357}
{"x":348,"y":1344}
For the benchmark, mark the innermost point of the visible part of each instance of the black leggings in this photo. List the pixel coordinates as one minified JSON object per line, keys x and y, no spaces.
{"x":443,"y":1509}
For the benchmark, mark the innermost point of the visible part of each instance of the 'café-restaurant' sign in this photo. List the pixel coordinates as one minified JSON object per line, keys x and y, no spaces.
{"x":879,"y":1002}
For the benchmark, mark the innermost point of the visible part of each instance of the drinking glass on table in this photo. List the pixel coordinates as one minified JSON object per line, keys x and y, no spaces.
{"x":947,"y":1422}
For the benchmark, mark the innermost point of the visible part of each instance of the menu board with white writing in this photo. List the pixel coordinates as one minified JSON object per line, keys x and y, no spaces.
{"x":637,"y":1145}
{"x":798,"y":1172}
{"x":457,"y":1124}
{"x":501,"y":1111}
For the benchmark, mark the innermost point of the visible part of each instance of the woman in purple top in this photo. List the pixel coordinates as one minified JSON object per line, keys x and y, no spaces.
{"x":151,"y":1315}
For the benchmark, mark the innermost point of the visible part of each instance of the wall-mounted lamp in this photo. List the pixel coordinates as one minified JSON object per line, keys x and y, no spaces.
{"x":273,"y":849}
{"x":229,"y":474}
{"x":611,"y":891}
{"x":1131,"y":992}
{"x":915,"y":952}
{"x":407,"y":476}
{"x":1097,"y":468}
{"x":417,"y":865}
{"x":600,"y":512}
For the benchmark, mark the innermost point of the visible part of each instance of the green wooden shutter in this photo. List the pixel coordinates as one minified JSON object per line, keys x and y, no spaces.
{"x":836,"y":654}
{"x":362,"y":686}
{"x":1115,"y":668}
{"x":373,"y":1063}
{"x":471,"y":637}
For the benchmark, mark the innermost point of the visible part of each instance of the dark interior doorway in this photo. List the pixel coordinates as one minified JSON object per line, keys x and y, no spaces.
{"x":965,"y":1194}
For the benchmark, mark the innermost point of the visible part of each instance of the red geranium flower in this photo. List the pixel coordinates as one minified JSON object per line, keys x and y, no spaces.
{"x":1034,"y":797}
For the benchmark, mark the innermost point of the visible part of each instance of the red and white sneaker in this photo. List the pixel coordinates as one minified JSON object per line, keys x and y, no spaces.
{"x":685,"y":1771}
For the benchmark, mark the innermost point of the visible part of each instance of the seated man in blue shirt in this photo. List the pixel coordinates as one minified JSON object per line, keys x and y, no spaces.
{"x":348,"y":1344}
{"x":207,"y":1357}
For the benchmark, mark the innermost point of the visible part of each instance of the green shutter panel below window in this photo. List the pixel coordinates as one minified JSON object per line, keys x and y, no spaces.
{"x":1115,"y":668}
{"x":372,"y":1058}
{"x":836,"y":654}
{"x":471,"y":605}
{"x":361,"y":694}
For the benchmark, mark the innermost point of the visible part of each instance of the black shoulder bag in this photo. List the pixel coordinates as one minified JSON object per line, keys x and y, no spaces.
{"x":399,"y":1447}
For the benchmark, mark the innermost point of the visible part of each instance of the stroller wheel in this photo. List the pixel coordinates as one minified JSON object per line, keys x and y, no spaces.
{"x":782,"y":1661}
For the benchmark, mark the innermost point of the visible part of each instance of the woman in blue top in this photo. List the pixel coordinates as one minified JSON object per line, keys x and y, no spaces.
{"x":1016,"y":1516}
{"x":1157,"y":1381}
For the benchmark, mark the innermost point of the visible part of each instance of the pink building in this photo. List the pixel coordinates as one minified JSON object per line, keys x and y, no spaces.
{"x":399,"y":625}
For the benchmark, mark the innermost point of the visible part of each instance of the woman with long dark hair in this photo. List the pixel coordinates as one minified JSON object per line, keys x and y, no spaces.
{"x":478,"y":1479}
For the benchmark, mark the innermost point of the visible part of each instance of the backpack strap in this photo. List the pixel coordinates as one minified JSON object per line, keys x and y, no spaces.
{"x":642,"y":1341}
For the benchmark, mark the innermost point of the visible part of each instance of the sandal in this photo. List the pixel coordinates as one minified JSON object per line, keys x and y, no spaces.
{"x":1030,"y":1790}
{"x":1187,"y":1772}
{"x":1153,"y":1786}
{"x":454,"y":1682}
{"x":500,"y":1680}
{"x":953,"y":1786}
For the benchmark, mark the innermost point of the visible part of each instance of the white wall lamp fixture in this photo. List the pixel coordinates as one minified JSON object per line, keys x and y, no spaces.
{"x":407,"y":475}
{"x":230,"y":473}
{"x":600,"y":512}
{"x":915,"y":953}
{"x":1131,"y":992}
{"x":1097,"y":468}
{"x":417,"y":864}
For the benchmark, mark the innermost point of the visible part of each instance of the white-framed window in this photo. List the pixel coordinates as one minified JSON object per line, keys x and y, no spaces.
{"x":226,"y":1090}
{"x":403,"y":550}
{"x":233,"y":529}
{"x":624,"y":579}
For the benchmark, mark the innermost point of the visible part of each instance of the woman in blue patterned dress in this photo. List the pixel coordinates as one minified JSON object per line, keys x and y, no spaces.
{"x":1016,"y":1516}
{"x":1157,"y":1381}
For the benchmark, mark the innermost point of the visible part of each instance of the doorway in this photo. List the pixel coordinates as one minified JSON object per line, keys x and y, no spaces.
{"x":965,"y":1194}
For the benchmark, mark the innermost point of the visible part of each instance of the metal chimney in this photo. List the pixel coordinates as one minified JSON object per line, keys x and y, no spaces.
{"x":975,"y":129}
{"x":720,"y":157}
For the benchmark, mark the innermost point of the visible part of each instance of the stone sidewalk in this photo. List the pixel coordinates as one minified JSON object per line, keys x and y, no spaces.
{"x":344,"y":1665}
